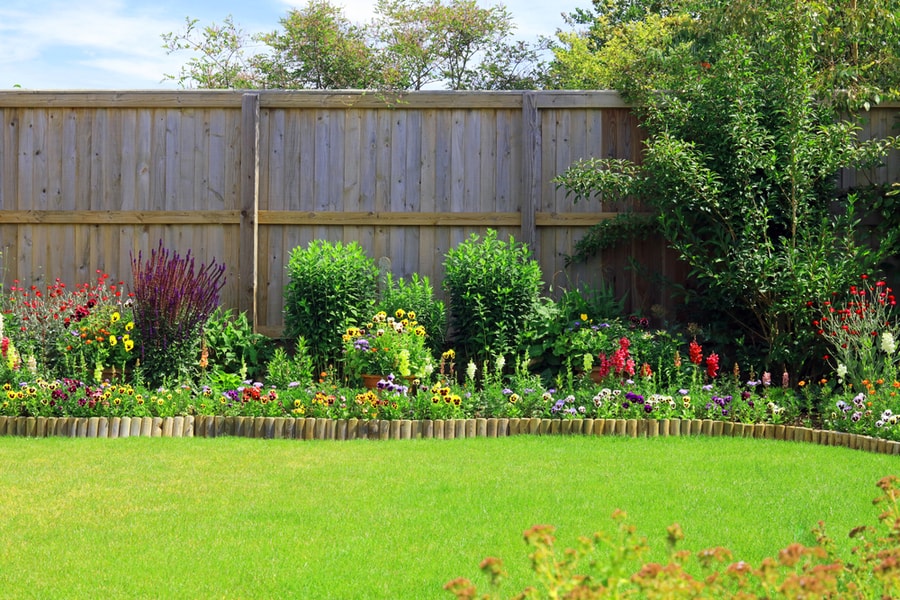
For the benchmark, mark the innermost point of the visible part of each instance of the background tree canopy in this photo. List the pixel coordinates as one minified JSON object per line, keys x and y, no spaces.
{"x":409,"y":45}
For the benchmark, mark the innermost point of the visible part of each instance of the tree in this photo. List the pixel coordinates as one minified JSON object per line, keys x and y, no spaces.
{"x":221,"y":62}
{"x":409,"y":45}
{"x":740,"y":165}
{"x":854,"y":45}
{"x":318,"y":48}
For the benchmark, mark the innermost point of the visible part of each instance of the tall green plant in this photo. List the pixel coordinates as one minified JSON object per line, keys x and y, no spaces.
{"x":494,"y":286}
{"x":331,"y":286}
{"x":740,"y":164}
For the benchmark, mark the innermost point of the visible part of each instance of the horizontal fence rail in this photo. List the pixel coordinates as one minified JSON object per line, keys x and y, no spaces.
{"x":90,"y":179}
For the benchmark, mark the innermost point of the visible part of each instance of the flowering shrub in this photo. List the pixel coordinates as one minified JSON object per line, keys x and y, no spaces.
{"x":862,"y":334}
{"x":388,"y":345}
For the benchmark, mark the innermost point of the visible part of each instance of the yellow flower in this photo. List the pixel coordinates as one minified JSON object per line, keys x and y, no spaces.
{"x":112,"y":340}
{"x":114,"y":317}
{"x":129,"y":345}
{"x":129,"y":325}
{"x":584,"y":317}
{"x":400,"y":312}
{"x":411,"y":316}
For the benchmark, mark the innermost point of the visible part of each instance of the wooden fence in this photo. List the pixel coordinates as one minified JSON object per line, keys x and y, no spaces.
{"x":88,"y":179}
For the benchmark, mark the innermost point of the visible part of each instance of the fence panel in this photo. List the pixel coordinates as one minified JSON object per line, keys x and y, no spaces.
{"x":88,"y":179}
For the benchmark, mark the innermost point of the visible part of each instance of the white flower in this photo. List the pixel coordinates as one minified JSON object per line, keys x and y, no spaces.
{"x":887,"y":342}
{"x":501,"y":362}
{"x":470,"y":370}
{"x":841,"y":372}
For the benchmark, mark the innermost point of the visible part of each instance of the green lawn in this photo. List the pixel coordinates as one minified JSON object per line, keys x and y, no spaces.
{"x":246,"y":518}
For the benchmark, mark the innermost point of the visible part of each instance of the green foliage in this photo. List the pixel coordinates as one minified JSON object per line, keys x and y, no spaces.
{"x":854,"y":47}
{"x":740,"y":164}
{"x":609,"y":233}
{"x":285,"y":371}
{"x":319,"y":48}
{"x":233,"y":346}
{"x":493,"y":287}
{"x":331,"y":287}
{"x":219,"y":61}
{"x":408,"y":45}
{"x":585,"y":320}
{"x":416,"y":295}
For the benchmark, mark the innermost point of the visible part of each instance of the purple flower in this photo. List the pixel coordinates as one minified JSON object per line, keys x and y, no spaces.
{"x":506,"y":391}
{"x":708,"y":387}
{"x":648,"y":408}
{"x":856,"y":416}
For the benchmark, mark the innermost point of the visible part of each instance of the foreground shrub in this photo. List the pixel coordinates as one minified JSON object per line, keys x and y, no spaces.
{"x":610,"y":566}
{"x":172,"y":302}
{"x":493,"y":287}
{"x":331,"y":286}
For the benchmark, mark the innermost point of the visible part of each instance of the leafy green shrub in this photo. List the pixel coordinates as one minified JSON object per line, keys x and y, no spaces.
{"x":172,"y":302}
{"x":331,"y":287}
{"x":494,"y":287}
{"x":233,"y":346}
{"x":416,"y":295}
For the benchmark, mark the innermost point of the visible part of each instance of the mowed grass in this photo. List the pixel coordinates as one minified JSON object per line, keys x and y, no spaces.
{"x":244,"y":518}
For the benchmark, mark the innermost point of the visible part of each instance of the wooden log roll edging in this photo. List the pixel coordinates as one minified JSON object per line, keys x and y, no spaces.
{"x":356,"y":429}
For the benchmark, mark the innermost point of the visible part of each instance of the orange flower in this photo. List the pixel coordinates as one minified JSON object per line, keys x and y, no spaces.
{"x":801,"y":383}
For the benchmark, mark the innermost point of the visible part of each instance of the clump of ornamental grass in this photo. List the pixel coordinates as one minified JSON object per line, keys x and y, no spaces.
{"x":172,"y":301}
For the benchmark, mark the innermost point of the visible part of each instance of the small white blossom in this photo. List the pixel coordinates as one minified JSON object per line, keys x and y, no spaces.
{"x":888,"y":344}
{"x":501,"y":362}
{"x":471,"y":369}
{"x":841,"y":372}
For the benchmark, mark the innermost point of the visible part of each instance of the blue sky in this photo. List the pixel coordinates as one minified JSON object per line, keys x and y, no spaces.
{"x":116,"y":44}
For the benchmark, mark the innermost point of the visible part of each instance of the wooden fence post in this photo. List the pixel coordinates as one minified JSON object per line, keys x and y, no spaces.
{"x":249,"y":228}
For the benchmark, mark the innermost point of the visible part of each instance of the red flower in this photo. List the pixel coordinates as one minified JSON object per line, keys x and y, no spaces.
{"x":712,"y":364}
{"x":696,"y":353}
